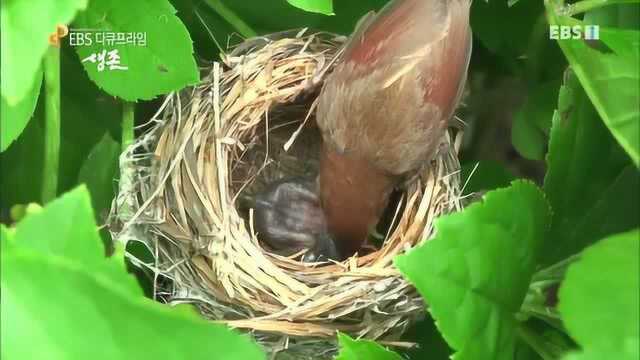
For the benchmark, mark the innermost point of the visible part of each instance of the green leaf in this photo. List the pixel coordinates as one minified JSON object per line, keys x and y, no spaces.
{"x":525,"y":352}
{"x":65,"y":228}
{"x":600,"y":71}
{"x":74,"y":313}
{"x":351,"y":349}
{"x":164,"y":64}
{"x":508,"y":37}
{"x":475,"y":273}
{"x":24,"y":33}
{"x":85,"y":299}
{"x":592,"y":355}
{"x":531,"y":124}
{"x":99,"y":171}
{"x":315,"y":6}
{"x":591,"y":184}
{"x":600,"y":299}
{"x":15,"y":118}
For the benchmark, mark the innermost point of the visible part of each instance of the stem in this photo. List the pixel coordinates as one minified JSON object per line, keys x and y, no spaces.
{"x":536,"y":299}
{"x":51,"y":65}
{"x":556,"y":271}
{"x":128,"y":112}
{"x":232,"y":18}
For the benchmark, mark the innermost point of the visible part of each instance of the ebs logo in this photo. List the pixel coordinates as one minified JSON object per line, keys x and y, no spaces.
{"x":565,"y":32}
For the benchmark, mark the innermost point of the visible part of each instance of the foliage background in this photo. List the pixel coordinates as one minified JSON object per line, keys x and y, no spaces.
{"x":573,"y":135}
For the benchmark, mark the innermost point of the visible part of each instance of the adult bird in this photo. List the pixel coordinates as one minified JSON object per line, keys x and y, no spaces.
{"x":382,"y":113}
{"x":383,"y":110}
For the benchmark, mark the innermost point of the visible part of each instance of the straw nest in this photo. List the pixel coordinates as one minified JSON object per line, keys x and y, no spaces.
{"x":250,"y":121}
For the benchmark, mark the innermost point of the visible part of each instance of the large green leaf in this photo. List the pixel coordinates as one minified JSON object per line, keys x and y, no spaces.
{"x":600,"y":299}
{"x":592,"y":186}
{"x":64,"y":228}
{"x":351,"y":349}
{"x":75,"y":313}
{"x":61,"y":297}
{"x":611,"y":77}
{"x":164,"y":64}
{"x":24,"y":33}
{"x":475,"y":273}
{"x":99,"y":172}
{"x":13,"y":119}
{"x":317,"y":6}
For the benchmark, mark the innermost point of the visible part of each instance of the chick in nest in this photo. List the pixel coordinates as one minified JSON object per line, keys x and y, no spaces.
{"x":289,"y":219}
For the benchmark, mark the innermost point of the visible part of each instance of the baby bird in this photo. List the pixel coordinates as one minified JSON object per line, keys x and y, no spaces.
{"x":288,"y":218}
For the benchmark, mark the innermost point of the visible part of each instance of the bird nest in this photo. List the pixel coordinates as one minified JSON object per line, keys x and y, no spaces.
{"x":248,"y":122}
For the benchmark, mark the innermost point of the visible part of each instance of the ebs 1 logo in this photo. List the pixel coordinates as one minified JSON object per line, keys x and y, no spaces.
{"x":565,"y":32}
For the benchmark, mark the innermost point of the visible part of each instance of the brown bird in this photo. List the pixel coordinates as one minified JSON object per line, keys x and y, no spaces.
{"x":384,"y":109}
{"x":382,"y":113}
